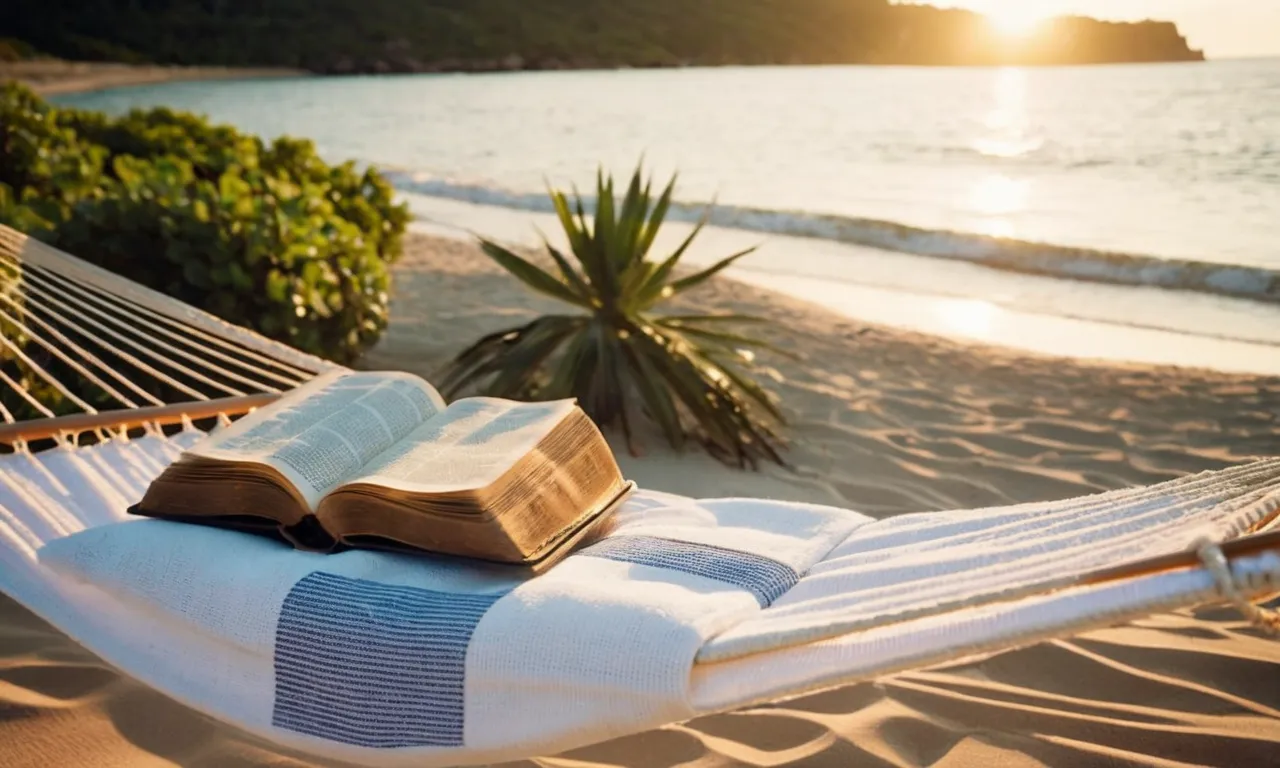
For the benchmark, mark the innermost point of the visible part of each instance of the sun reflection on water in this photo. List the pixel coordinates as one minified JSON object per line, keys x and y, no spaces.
{"x":1008,"y":131}
{"x":995,"y":197}
{"x":998,"y":195}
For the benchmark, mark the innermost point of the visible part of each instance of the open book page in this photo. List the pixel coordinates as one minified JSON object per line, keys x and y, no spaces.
{"x":466,"y":447}
{"x":324,"y":432}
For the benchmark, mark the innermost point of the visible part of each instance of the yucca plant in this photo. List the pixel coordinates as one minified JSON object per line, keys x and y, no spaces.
{"x":616,"y":353}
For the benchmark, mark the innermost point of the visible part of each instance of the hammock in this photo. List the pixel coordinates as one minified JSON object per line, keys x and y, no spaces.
{"x":685,"y":607}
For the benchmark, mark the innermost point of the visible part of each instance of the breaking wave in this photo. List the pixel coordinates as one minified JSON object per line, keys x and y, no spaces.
{"x":1247,"y":282}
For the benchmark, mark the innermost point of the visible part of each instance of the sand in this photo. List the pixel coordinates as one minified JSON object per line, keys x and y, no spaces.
{"x":885,"y":422}
{"x":53,"y":76}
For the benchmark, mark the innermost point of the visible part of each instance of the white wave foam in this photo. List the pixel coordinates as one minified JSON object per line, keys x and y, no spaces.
{"x":1256,"y":283}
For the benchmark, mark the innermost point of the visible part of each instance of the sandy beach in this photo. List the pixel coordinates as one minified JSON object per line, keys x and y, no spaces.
{"x":48,"y":77}
{"x":882,"y":421}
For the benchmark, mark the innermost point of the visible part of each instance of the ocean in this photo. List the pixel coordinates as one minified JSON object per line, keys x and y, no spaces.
{"x":1119,"y":212}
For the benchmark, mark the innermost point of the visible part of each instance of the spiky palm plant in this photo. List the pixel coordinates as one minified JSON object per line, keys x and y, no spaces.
{"x":616,"y":354}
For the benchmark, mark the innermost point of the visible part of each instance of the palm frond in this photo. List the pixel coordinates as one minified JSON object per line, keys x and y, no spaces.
{"x":532,"y":275}
{"x":656,"y":288}
{"x":699,"y":278}
{"x":730,"y":341}
{"x":689,"y":375}
{"x":724,"y":318}
{"x":571,"y":226}
{"x":656,"y":217}
{"x":570,"y":274}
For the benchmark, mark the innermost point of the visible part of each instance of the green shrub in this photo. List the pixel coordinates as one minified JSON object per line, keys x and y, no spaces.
{"x":616,"y":354}
{"x":267,"y":236}
{"x":43,"y":164}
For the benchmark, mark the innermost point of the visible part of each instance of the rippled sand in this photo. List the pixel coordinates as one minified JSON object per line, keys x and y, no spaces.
{"x":885,"y":422}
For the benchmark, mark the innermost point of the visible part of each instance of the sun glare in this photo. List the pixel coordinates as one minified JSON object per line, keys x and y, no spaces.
{"x":1018,"y":18}
{"x":974,"y":318}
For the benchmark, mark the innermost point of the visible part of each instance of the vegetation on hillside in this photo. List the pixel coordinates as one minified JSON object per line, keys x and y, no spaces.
{"x":266,"y":236}
{"x":419,"y":35}
{"x":617,"y":353}
{"x":16,"y":50}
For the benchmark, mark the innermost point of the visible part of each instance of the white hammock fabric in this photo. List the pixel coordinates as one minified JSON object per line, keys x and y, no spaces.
{"x":684,"y":607}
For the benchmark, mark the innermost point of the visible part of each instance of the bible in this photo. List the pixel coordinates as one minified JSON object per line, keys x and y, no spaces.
{"x":377,"y":460}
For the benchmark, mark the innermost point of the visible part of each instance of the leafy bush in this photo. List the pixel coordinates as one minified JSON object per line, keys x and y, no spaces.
{"x":616,"y":356}
{"x":268,"y":236}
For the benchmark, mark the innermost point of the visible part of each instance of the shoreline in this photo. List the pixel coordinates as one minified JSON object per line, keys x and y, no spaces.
{"x":51,"y":77}
{"x":1036,"y":314}
{"x":1036,"y":258}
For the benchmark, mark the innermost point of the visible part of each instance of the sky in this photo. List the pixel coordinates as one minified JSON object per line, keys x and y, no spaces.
{"x":1222,"y":28}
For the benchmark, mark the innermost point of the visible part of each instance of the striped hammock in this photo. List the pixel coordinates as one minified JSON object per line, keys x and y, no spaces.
{"x":684,"y":607}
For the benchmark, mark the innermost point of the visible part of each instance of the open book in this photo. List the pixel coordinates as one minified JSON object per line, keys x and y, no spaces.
{"x":378,"y":460}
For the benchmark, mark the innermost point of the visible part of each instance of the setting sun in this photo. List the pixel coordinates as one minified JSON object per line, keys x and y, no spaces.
{"x":1016,"y":19}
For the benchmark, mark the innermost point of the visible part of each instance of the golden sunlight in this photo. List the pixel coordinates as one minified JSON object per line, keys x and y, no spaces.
{"x":996,"y":198}
{"x":974,"y":318}
{"x":1016,"y":18}
{"x":998,"y":195}
{"x":1007,"y":132}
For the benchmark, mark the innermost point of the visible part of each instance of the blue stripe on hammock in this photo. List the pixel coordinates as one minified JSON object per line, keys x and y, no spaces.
{"x":763,"y":577}
{"x":375,"y":665}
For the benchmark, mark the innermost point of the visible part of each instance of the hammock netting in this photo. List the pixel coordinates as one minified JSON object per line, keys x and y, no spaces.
{"x":81,"y":341}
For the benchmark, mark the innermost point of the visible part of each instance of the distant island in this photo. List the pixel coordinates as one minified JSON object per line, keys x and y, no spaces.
{"x":374,"y":36}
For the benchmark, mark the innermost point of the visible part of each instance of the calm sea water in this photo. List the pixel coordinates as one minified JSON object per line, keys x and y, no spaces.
{"x":1169,"y":160}
{"x":1155,"y":162}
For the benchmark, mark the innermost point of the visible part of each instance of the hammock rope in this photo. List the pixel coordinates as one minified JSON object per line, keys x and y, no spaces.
{"x":142,"y":323}
{"x":88,"y":356}
{"x":88,"y":351}
{"x":32,"y":253}
{"x":42,"y":278}
{"x":212,"y":345}
{"x":1236,"y":590}
{"x":22,"y":392}
{"x":39,"y":370}
{"x":137,"y":344}
{"x":111,"y":348}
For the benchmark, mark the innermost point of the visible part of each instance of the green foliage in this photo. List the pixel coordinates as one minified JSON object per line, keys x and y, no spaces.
{"x":411,"y":35}
{"x":267,"y":236}
{"x":16,"y":50}
{"x":616,"y":355}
